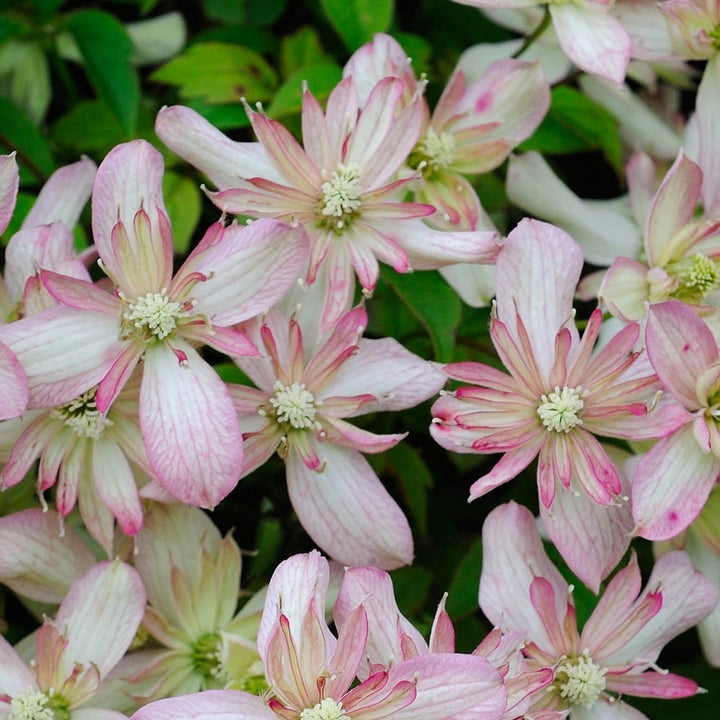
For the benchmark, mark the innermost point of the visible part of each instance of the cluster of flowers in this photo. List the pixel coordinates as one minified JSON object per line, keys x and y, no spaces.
{"x":104,"y":382}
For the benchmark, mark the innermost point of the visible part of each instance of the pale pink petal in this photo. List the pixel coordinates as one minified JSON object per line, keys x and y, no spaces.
{"x":297,"y":583}
{"x":671,"y":485}
{"x":128,"y":189}
{"x":80,"y":293}
{"x":37,"y":562}
{"x":537,"y":272}
{"x":115,"y":483}
{"x":708,"y":111}
{"x":687,"y":597}
{"x":208,"y":705}
{"x":17,"y":677}
{"x":625,"y":289}
{"x":602,"y":710}
{"x":592,"y":38}
{"x":451,"y":686}
{"x":97,"y":714}
{"x":63,"y":196}
{"x":430,"y":249}
{"x":513,"y":555}
{"x":189,"y":425}
{"x":672,"y":208}
{"x":101,"y":614}
{"x":680,"y":347}
{"x":592,"y":538}
{"x":224,"y":161}
{"x":373,"y":589}
{"x":9,"y":182}
{"x":652,"y":684}
{"x":64,"y":352}
{"x":346,"y":510}
{"x":14,"y":383}
{"x":384,"y":368}
{"x":249,"y":271}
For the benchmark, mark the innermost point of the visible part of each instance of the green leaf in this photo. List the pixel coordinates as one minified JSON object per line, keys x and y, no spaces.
{"x":301,"y":50}
{"x":411,"y":588}
{"x":25,"y":77}
{"x":106,"y":49}
{"x":321,"y":80}
{"x":433,"y":302}
{"x":463,"y":591}
{"x":415,"y":480}
{"x":219,"y":73}
{"x":22,"y":207}
{"x":222,"y":117}
{"x":17,"y":132}
{"x":183,"y":202}
{"x":575,"y":123}
{"x":356,"y":21}
{"x":89,"y":127}
{"x":249,"y":12}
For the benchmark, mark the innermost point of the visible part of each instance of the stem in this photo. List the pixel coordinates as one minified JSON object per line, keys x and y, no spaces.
{"x":535,"y":34}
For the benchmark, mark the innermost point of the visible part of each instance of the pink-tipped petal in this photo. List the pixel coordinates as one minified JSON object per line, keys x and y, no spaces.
{"x":347,"y":511}
{"x":189,"y":425}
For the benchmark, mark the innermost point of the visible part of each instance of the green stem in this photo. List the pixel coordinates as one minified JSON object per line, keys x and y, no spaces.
{"x":536,"y":33}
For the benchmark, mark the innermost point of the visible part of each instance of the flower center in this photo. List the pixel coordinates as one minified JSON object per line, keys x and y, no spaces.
{"x":294,"y":404}
{"x":31,"y":705}
{"x":82,"y":416}
{"x":207,"y":658}
{"x":340,"y":199}
{"x":580,"y":680}
{"x":697,"y":276}
{"x":153,"y":315}
{"x":559,"y":409}
{"x":438,"y":151}
{"x":327,"y":709}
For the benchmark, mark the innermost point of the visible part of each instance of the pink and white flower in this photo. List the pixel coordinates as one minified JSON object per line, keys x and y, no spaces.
{"x":557,"y":398}
{"x":306,"y":389}
{"x":615,"y":654}
{"x":96,"y":338}
{"x":93,"y":628}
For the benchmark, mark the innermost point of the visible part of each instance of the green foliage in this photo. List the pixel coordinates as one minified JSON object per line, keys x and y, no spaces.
{"x":574,"y":124}
{"x":250,"y":12}
{"x":463,"y":591}
{"x":415,"y":479}
{"x":433,"y":302}
{"x":106,"y":49}
{"x":300,"y":50}
{"x":182,"y":199}
{"x":321,"y":79}
{"x":356,"y":21}
{"x":17,"y":132}
{"x":220,"y":73}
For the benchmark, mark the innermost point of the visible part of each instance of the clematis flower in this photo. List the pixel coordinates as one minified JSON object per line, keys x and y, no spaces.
{"x":392,"y":638}
{"x":586,"y":30}
{"x":682,"y":252}
{"x":557,"y":398}
{"x":94,"y":459}
{"x":192,"y":578}
{"x":311,"y":672}
{"x":341,"y":185}
{"x":74,"y":653}
{"x":673,"y":480}
{"x":615,"y":654}
{"x":306,"y":388}
{"x":95,"y":338}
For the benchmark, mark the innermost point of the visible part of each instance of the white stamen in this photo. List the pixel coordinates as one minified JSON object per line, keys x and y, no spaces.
{"x":294,"y":404}
{"x":31,"y":706}
{"x":580,"y":680}
{"x":327,"y":709}
{"x":341,"y":194}
{"x":82,"y":416}
{"x":439,"y":150}
{"x":155,"y":313}
{"x":559,"y":409}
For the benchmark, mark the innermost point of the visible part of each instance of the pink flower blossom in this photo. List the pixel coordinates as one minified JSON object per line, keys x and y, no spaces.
{"x":94,"y":338}
{"x":557,"y":398}
{"x":306,"y":389}
{"x":615,"y":654}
